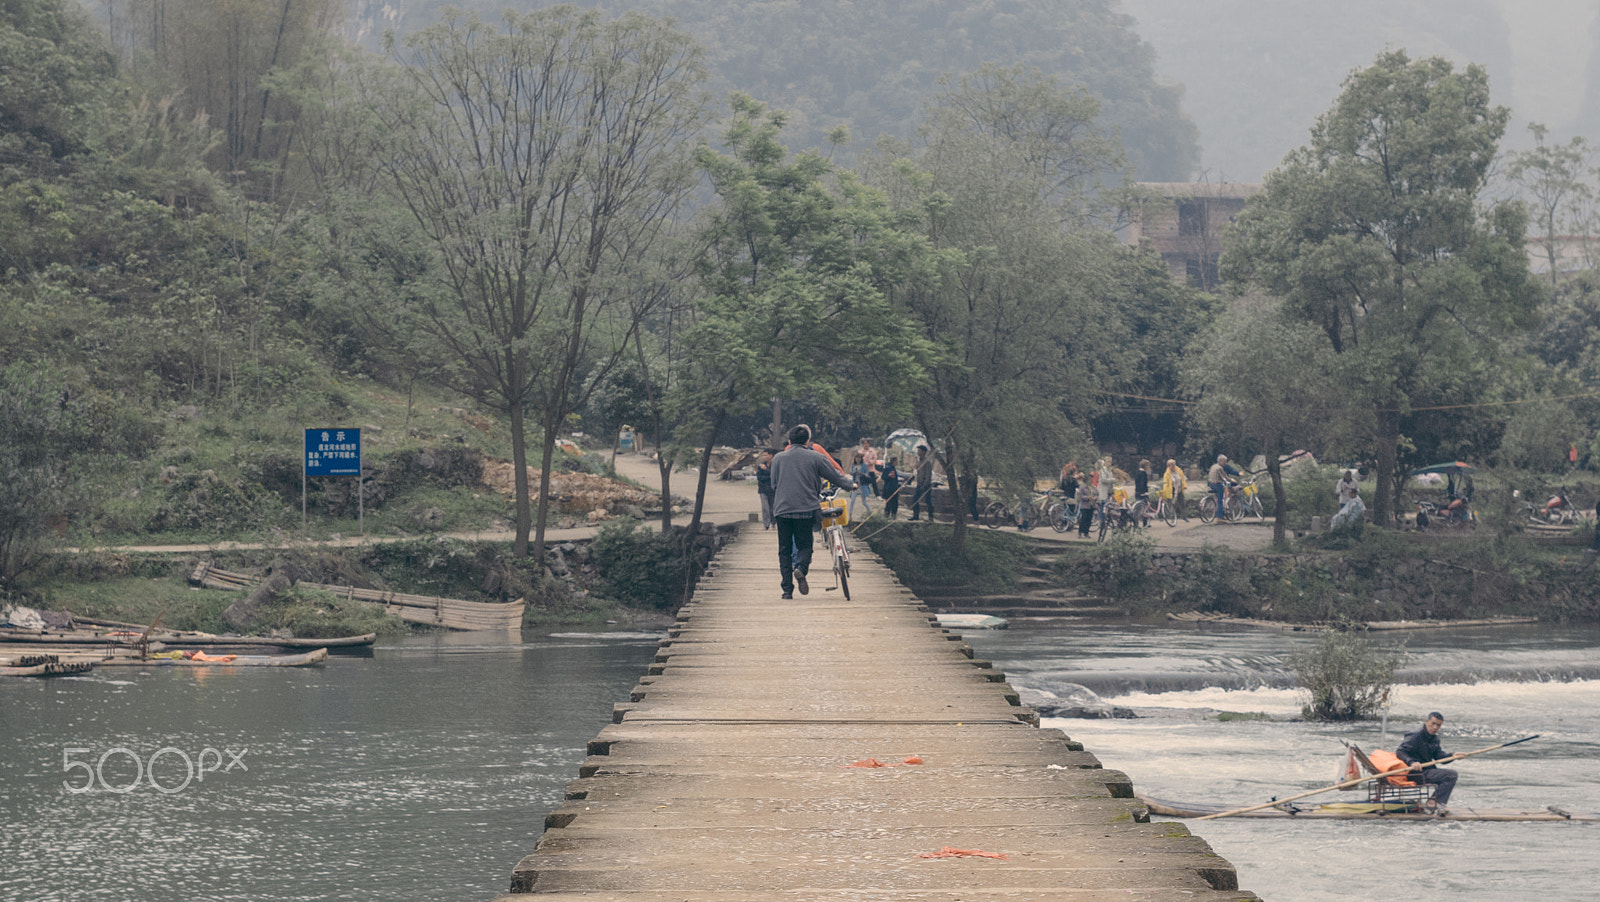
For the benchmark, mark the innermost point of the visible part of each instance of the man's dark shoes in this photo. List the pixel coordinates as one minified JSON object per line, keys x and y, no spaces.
{"x":801,"y":584}
{"x":788,"y":595}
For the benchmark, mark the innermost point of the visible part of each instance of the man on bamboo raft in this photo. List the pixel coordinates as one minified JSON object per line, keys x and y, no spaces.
{"x":1422,"y":746}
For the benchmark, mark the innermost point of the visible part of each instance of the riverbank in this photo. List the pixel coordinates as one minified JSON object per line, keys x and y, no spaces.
{"x":1379,"y":576}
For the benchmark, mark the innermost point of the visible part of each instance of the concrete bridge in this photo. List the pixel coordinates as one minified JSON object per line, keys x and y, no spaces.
{"x":728,"y":775}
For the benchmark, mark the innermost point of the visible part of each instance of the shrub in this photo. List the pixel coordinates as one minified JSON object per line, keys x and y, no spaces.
{"x":921,"y":557}
{"x":639,"y":566}
{"x":1347,"y":676}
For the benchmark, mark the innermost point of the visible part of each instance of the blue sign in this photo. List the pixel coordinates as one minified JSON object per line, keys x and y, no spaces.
{"x":333,"y":452}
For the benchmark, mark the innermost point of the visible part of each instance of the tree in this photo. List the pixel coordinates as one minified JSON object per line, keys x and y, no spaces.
{"x":1269,"y":383}
{"x":539,"y":161}
{"x":1554,"y":178}
{"x":799,"y":267}
{"x":1373,"y":233}
{"x":1004,"y":190}
{"x":221,"y":56}
{"x":53,"y":73}
{"x":48,"y":428}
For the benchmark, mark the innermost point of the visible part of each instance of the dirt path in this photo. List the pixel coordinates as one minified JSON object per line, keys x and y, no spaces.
{"x":728,"y":502}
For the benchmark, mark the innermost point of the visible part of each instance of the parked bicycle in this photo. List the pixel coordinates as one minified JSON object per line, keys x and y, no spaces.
{"x":1120,"y":515}
{"x":1036,"y":510}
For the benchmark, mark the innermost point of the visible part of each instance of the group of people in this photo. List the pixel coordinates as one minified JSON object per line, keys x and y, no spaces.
{"x":1098,"y":486}
{"x":790,"y":483}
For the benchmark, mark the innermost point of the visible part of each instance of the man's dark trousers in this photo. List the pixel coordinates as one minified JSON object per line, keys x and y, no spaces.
{"x":1442,"y":777}
{"x":794,"y":547}
{"x":923,"y":496}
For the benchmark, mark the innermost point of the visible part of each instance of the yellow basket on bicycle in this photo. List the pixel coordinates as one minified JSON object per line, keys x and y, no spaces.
{"x":836,"y":510}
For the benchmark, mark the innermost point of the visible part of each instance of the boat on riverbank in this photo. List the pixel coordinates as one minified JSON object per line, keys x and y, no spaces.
{"x":1369,"y":811}
{"x":111,"y":634}
{"x":306,"y":659}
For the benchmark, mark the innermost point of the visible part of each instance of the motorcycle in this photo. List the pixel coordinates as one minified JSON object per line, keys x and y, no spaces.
{"x":1451,"y":515}
{"x":1558,"y":511}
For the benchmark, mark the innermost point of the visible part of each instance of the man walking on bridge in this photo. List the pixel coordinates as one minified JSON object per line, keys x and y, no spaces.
{"x":797,"y":476}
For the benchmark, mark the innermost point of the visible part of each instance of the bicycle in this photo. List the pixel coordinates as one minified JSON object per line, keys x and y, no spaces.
{"x":1167,"y":509}
{"x":1115,"y":515}
{"x":1027,"y":513}
{"x":833,"y":535}
{"x":1248,"y":497}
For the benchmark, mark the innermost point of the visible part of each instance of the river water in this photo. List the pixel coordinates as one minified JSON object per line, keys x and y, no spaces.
{"x":425,"y":770}
{"x":1492,"y":685}
{"x":422,"y":772}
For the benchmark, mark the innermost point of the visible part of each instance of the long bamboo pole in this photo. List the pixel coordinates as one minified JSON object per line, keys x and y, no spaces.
{"x":1351,"y":782}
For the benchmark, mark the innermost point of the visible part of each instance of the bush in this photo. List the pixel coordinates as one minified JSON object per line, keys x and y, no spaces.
{"x":1347,"y":676}
{"x":921,"y":557}
{"x":639,"y":566}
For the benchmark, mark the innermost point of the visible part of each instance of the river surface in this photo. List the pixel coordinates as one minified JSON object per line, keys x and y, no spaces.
{"x":422,"y":772}
{"x":425,"y":771}
{"x":1492,"y":685}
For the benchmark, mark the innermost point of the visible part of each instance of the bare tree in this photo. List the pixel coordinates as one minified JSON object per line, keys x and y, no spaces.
{"x":540,"y":160}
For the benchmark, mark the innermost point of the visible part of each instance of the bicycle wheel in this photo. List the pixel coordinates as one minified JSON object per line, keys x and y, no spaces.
{"x":841,"y":569}
{"x":1169,"y":512}
{"x":1208,"y":508}
{"x":995,"y":515}
{"x":1235,"y":508}
{"x":1105,"y":525}
{"x":1257,"y":508}
{"x":1056,"y":514}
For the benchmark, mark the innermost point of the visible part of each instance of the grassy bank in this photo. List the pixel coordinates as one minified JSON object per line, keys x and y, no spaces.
{"x":628,"y":575}
{"x":920,"y":555}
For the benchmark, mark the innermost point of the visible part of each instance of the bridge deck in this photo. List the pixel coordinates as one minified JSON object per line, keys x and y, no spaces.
{"x":726,"y":779}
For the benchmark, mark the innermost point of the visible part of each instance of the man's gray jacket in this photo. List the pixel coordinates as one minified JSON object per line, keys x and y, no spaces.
{"x":797,"y":477}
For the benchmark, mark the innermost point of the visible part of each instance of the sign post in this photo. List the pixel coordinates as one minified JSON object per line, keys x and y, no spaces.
{"x":333,"y":452}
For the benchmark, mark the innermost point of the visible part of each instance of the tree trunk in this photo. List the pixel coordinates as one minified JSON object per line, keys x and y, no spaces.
{"x":548,"y":455}
{"x":664,"y":464}
{"x":1388,"y":452}
{"x":1280,"y":500}
{"x":519,"y":465}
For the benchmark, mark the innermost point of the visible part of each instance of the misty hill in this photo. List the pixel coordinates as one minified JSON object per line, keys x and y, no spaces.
{"x":1257,"y":73}
{"x":869,"y":64}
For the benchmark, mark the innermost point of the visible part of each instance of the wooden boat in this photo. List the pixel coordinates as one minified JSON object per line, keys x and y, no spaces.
{"x":124,"y":635}
{"x":1371,"y":811}
{"x":316,"y":656}
{"x":453,"y":613}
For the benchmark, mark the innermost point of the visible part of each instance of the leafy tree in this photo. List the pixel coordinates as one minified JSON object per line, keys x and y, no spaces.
{"x":799,"y":267}
{"x":1005,"y":193}
{"x":1373,"y":233}
{"x":539,"y":162}
{"x":49,"y":427}
{"x":219,"y":59}
{"x":1269,"y":383}
{"x":53,"y":72}
{"x":1554,"y":177}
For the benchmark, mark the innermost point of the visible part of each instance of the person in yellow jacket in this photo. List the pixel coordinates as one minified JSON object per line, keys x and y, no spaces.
{"x":1173,"y":482}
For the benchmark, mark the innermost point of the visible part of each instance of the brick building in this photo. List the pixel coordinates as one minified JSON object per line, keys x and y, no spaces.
{"x":1187,"y":230}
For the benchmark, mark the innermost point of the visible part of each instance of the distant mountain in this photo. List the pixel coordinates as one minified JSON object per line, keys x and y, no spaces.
{"x":1257,"y":73}
{"x":869,"y":64}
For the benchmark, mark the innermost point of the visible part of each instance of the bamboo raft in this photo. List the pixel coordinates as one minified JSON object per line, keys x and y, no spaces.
{"x":1368,"y":811}
{"x":452,"y":613}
